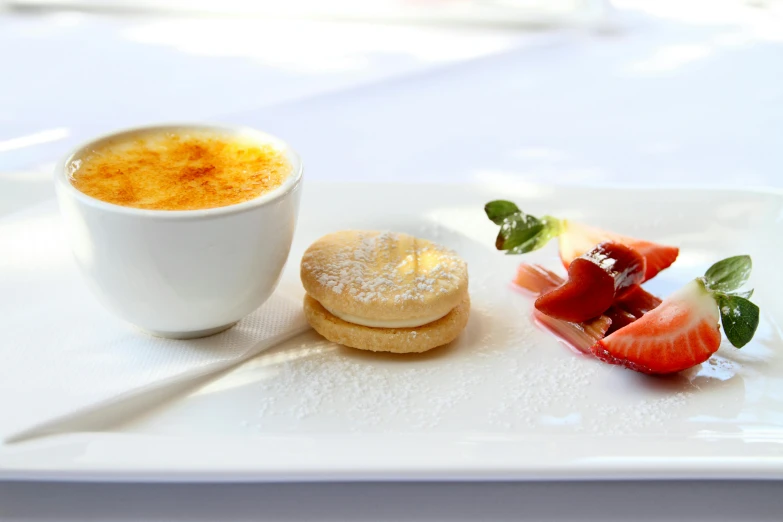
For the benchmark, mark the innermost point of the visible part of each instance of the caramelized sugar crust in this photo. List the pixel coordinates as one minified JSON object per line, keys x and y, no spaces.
{"x":165,"y":170}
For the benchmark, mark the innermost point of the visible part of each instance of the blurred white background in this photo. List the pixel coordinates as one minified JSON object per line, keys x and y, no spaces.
{"x":691,"y":77}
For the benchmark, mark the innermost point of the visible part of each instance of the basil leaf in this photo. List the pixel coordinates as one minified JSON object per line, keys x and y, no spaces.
{"x":747,"y":294}
{"x":740,"y":318}
{"x":728,"y":275}
{"x":499,"y":210}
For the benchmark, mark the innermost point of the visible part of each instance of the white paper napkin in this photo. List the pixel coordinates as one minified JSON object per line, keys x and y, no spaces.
{"x":61,"y":353}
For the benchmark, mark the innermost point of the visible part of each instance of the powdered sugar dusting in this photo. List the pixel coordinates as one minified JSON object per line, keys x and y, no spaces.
{"x":642,"y":414}
{"x":496,"y":378}
{"x":387,"y":267}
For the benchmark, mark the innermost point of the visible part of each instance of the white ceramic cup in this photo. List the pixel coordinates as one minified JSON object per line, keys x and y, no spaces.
{"x":182,"y":273}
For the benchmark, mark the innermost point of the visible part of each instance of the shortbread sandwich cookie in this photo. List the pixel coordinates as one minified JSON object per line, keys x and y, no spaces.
{"x":384,"y":291}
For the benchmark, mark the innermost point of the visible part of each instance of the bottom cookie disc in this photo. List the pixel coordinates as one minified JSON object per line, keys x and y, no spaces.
{"x":395,"y":340}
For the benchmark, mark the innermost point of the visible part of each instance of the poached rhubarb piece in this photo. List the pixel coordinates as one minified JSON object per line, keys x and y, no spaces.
{"x":595,"y":281}
{"x":580,"y":336}
{"x":537,"y":279}
{"x":630,"y":306}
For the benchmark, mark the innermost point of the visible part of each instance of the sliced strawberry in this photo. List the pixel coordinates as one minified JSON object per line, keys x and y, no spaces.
{"x":681,"y":332}
{"x":575,"y":239}
{"x":594,"y":281}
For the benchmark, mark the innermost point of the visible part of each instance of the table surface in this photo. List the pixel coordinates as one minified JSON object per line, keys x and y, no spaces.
{"x":679,"y":97}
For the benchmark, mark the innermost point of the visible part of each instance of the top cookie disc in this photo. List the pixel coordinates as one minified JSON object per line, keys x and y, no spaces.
{"x":375,"y":278}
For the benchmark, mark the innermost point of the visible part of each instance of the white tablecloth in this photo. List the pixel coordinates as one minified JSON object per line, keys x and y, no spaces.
{"x":686,"y":97}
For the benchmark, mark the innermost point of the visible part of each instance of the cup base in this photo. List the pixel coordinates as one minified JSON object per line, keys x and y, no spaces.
{"x":189,"y":335}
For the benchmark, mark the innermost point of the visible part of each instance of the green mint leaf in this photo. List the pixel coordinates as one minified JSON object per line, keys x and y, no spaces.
{"x":740,"y":318}
{"x":516,"y":230}
{"x":499,"y":210}
{"x":728,"y":275}
{"x":529,"y":244}
{"x":549,"y":228}
{"x":520,"y":232}
{"x":747,"y":294}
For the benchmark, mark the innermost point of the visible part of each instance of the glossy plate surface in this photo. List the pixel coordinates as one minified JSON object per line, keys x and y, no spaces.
{"x":505,"y":401}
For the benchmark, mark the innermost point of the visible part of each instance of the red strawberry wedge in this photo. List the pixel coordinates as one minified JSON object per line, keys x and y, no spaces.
{"x":575,"y":239}
{"x":594,"y":281}
{"x":681,"y":332}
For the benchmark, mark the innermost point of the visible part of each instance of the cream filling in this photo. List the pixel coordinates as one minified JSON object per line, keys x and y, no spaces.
{"x":381,"y":323}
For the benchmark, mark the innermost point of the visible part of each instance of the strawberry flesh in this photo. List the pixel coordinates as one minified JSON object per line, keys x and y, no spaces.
{"x":681,"y":332}
{"x":594,"y":281}
{"x":659,"y":257}
{"x":576,"y":239}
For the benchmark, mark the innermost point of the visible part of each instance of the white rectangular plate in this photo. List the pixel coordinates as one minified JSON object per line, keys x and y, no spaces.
{"x":505,"y":401}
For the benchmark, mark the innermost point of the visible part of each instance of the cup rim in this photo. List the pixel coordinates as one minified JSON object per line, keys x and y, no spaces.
{"x":291,"y":182}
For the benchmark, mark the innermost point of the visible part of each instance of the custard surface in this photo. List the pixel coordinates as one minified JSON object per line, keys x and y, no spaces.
{"x":182,"y":170}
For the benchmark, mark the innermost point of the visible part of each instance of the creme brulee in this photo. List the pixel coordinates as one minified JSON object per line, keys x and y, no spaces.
{"x":179,"y":170}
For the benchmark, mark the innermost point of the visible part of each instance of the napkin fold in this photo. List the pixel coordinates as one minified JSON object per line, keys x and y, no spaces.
{"x":62,"y":354}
